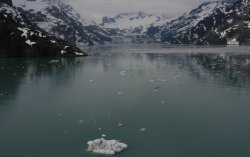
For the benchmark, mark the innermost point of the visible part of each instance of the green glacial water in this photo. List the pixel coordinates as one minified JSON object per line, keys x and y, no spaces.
{"x":192,"y":102}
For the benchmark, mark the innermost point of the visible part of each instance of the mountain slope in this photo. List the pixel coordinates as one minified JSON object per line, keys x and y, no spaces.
{"x":135,"y":23}
{"x":20,"y":38}
{"x":60,"y":19}
{"x":214,"y":23}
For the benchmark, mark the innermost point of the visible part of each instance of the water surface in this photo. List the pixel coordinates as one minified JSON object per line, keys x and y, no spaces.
{"x":193,"y":102}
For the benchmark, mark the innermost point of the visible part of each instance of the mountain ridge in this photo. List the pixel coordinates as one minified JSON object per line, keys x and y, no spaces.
{"x":211,"y":23}
{"x":60,"y":19}
{"x":20,"y":38}
{"x":132,"y":23}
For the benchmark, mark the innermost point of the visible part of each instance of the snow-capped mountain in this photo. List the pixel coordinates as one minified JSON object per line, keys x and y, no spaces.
{"x":20,"y":38}
{"x":60,"y":19}
{"x":136,"y":23}
{"x":218,"y":22}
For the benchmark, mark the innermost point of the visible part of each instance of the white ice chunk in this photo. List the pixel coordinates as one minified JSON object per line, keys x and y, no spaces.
{"x":81,"y":121}
{"x":108,"y":147}
{"x":143,"y":129}
{"x":120,"y":124}
{"x":122,"y":73}
{"x":119,"y":93}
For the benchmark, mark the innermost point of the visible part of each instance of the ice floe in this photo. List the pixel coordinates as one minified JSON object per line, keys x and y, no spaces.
{"x":122,"y":73}
{"x":81,"y":121}
{"x":156,"y":89}
{"x":119,"y":93}
{"x":143,"y":129}
{"x":107,"y":147}
{"x":120,"y":124}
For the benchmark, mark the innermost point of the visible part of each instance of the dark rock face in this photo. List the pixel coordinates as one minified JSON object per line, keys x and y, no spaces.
{"x":60,"y":19}
{"x":9,"y":2}
{"x":212,"y":23}
{"x":20,"y":38}
{"x":106,"y":19}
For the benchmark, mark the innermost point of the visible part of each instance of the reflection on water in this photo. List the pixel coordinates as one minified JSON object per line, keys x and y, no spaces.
{"x":190,"y":104}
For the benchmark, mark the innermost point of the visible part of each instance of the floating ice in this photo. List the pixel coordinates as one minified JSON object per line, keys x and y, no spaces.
{"x":120,"y":124}
{"x":81,"y":121}
{"x":143,"y":129}
{"x":156,"y":89}
{"x":108,"y":147}
{"x":65,"y":131}
{"x":122,"y":73}
{"x":161,"y":80}
{"x":119,"y":93}
{"x":60,"y":114}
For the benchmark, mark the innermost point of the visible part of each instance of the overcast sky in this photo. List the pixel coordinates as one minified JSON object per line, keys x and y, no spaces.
{"x":99,"y":8}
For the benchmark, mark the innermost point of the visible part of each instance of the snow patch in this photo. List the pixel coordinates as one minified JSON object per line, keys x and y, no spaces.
{"x":79,"y":54}
{"x":25,"y":32}
{"x":30,"y":43}
{"x":63,"y":52}
{"x":233,"y":42}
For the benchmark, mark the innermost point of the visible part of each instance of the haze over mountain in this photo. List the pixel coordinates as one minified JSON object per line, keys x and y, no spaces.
{"x":209,"y":23}
{"x":96,"y":9}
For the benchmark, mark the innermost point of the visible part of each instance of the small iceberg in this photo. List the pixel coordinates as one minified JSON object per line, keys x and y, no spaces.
{"x":107,"y":147}
{"x":143,"y":129}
